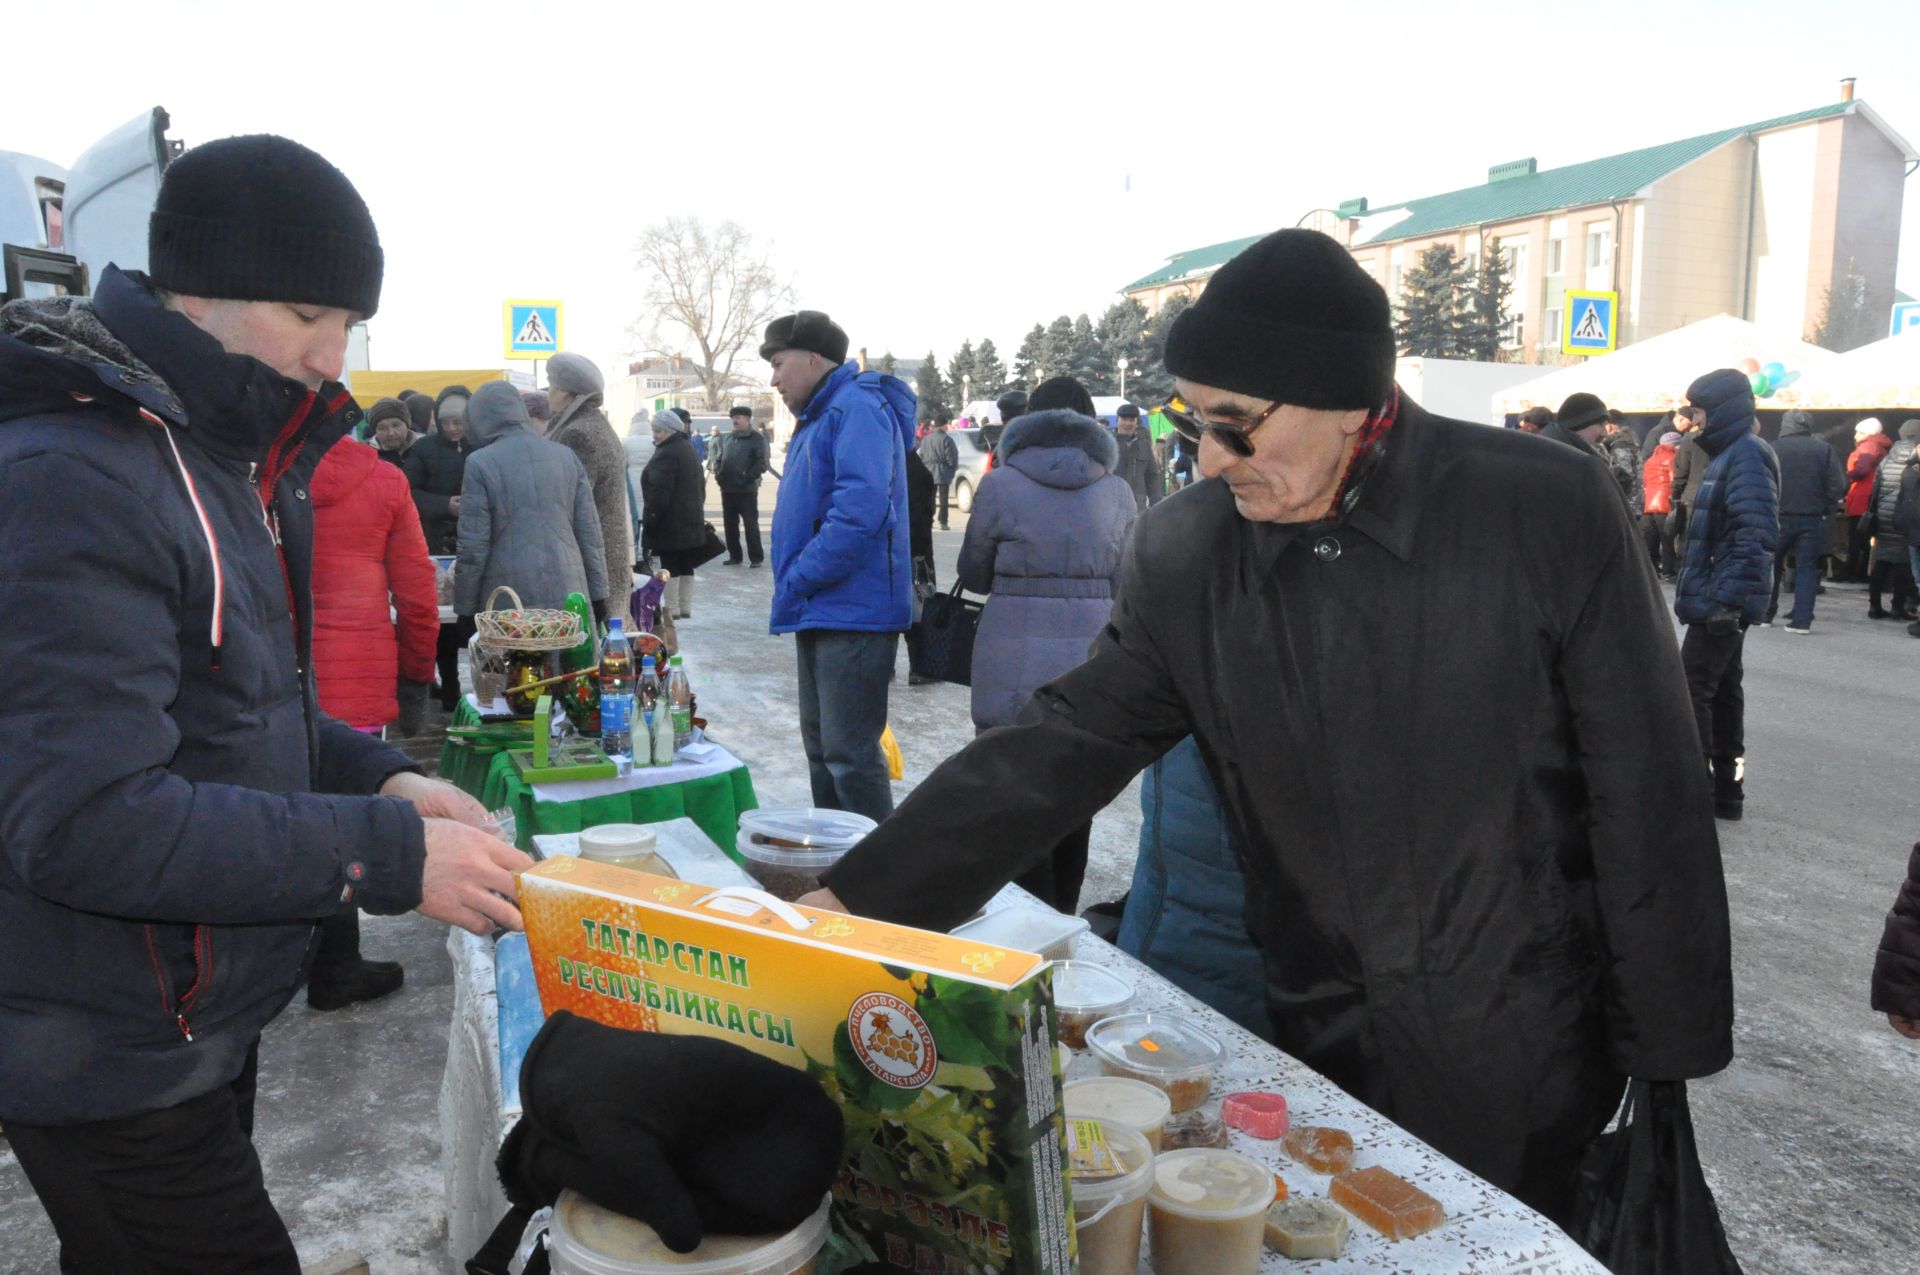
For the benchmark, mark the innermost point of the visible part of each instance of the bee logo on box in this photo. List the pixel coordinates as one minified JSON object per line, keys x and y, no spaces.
{"x":892,"y":1040}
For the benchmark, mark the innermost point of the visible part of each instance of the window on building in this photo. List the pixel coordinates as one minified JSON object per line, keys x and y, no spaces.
{"x":1396,"y":266}
{"x":1599,"y":256}
{"x":1556,"y":255}
{"x":1510,"y":333}
{"x":1550,"y":328}
{"x":1521,"y":300}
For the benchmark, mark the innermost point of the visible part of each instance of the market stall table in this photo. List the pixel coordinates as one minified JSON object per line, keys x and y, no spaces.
{"x":1487,"y":1232}
{"x":712,"y":791}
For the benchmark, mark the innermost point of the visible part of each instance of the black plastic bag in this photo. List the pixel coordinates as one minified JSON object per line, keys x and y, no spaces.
{"x":1642,"y":1205}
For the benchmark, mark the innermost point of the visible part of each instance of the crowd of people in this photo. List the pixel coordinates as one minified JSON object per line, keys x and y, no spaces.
{"x":1520,"y":725}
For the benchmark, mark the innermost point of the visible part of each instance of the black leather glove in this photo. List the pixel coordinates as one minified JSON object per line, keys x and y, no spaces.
{"x":688,"y":1135}
{"x":412,"y":697}
{"x":599,"y":611}
{"x":1723,"y":622}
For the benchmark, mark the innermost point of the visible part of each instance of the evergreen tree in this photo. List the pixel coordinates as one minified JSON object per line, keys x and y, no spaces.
{"x":1058,"y":349}
{"x":1845,"y":322}
{"x":1031,"y":357}
{"x":886,"y":363}
{"x":1150,"y":384}
{"x":989,"y":373}
{"x":1431,"y":303}
{"x":932,"y":387}
{"x":1123,"y":334}
{"x":1085,"y":363}
{"x":1486,"y":309}
{"x":959,"y":375}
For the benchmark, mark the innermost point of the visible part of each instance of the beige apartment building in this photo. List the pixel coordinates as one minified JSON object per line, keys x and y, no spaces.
{"x":1757,"y":221}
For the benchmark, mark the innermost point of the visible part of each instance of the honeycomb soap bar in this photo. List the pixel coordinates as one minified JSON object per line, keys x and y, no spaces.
{"x":1321,"y":1149}
{"x":1387,"y":1202}
{"x":1306,"y":1229}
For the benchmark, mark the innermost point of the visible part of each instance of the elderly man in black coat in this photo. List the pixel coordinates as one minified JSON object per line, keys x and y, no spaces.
{"x":1427,"y":667}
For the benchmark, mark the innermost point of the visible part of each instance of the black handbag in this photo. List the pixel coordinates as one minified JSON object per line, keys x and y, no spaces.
{"x":711,"y":547}
{"x":1642,"y":1205}
{"x":943,"y":649}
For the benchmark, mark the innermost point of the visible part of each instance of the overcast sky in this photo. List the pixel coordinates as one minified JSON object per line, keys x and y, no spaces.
{"x":925,"y":172}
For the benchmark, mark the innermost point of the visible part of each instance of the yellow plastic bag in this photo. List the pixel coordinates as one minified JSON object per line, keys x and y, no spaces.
{"x":896,"y":764}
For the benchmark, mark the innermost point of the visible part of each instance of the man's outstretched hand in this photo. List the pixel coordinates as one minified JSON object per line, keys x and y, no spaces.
{"x":468,"y":878}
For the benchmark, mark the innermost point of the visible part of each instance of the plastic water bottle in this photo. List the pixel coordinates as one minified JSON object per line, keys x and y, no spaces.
{"x":680,"y":697}
{"x":647,"y":697}
{"x":616,"y":692}
{"x":662,"y":742}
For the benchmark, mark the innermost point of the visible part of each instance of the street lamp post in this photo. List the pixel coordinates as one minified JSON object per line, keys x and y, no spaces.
{"x":1123,"y":375}
{"x":966,"y":390}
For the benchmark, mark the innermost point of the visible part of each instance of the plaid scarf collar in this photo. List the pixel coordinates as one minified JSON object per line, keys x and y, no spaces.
{"x":1367,"y":452}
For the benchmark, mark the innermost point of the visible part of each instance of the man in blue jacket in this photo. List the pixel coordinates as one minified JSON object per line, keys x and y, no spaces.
{"x":842,"y":558}
{"x":1726,"y":581}
{"x":176,"y":813}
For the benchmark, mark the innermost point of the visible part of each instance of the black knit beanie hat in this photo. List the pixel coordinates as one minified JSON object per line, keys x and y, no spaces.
{"x":1294,"y":319}
{"x":389,"y":409}
{"x":261,"y":218}
{"x":1581,"y":410}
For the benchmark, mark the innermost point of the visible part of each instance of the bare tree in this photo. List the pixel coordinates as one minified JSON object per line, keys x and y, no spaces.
{"x":710,"y":284}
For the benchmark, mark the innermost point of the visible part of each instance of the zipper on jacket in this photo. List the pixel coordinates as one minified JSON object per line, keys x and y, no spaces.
{"x":202,"y":974}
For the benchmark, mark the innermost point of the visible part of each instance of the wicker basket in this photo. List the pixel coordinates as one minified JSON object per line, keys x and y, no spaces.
{"x":526,"y":628}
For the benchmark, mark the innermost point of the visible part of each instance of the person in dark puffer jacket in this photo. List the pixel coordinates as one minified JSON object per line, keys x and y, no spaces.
{"x":176,"y":811}
{"x":1896,"y":966}
{"x":1733,"y":529}
{"x":1811,"y":485}
{"x":1889,"y":573}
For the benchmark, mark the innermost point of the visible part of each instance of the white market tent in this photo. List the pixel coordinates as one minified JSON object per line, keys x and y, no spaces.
{"x":1653,"y":375}
{"x":1884,"y":374}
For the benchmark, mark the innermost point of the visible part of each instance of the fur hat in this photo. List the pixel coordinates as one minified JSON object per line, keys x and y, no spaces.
{"x":262,"y":218}
{"x":1868,"y":428}
{"x":572,"y":373}
{"x":1294,"y":319}
{"x":809,"y":330}
{"x":668,"y":421}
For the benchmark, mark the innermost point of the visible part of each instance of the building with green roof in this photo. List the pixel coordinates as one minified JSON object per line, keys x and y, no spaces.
{"x":1758,"y":221}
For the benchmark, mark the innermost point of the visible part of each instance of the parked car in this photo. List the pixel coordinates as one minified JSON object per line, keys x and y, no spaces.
{"x":973,"y":446}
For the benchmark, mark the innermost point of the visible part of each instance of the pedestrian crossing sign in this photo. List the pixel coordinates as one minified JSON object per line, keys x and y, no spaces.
{"x":534,"y":329}
{"x":1588,"y":322}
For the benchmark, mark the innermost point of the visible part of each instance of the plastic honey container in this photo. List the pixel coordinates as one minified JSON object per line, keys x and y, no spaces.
{"x":1133,"y":1103}
{"x":1164,"y":1050}
{"x":1083,"y":994}
{"x":786,"y":848}
{"x":589,"y":1240}
{"x":1207,"y":1212}
{"x":625,"y":845}
{"x":1110,"y":1203}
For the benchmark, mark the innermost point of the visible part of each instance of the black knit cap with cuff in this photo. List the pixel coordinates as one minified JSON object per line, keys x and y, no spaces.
{"x":1293,"y":319}
{"x":262,"y":218}
{"x":1580,"y":410}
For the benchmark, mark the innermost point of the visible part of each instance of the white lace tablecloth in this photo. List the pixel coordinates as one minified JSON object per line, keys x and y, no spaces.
{"x":1488,"y":1232}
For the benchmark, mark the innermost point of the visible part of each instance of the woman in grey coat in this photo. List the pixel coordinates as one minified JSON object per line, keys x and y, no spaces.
{"x":575,"y":393}
{"x":527,"y":518}
{"x":1045,"y":539}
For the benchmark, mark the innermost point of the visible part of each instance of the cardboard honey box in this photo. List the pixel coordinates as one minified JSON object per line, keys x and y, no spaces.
{"x":939,"y":1051}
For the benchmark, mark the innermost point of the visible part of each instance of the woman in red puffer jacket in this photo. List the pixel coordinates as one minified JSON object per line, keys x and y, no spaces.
{"x":367,"y":544}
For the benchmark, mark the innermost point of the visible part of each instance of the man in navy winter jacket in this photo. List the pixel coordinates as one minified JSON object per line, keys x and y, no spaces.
{"x":176,"y":813}
{"x":842,"y":552}
{"x":1726,"y":582}
{"x":1812,"y":482}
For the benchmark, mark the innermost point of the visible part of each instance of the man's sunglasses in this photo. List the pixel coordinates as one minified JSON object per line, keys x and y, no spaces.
{"x":1237,"y":439}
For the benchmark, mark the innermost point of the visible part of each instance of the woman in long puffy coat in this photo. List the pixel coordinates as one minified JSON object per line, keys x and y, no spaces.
{"x":1045,"y":538}
{"x":370,"y":665}
{"x":673,"y":495}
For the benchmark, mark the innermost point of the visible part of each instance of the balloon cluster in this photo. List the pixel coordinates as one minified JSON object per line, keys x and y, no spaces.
{"x":1767,"y":378}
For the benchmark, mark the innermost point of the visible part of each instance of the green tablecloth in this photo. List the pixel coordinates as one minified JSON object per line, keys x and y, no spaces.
{"x":714,"y":802}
